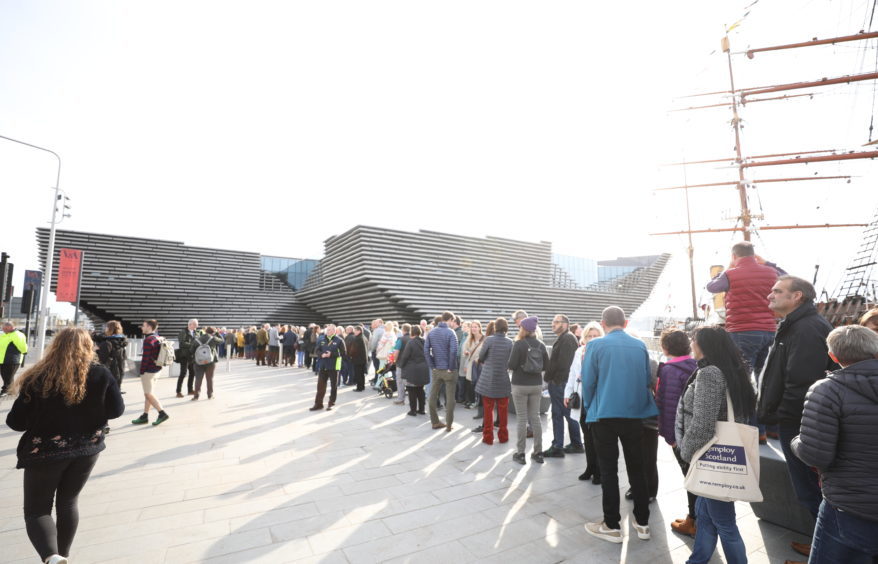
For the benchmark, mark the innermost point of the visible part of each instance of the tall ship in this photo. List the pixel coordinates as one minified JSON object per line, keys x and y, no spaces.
{"x":799,"y":116}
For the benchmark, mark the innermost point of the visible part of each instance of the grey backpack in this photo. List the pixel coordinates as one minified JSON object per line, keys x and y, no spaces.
{"x":203,"y":353}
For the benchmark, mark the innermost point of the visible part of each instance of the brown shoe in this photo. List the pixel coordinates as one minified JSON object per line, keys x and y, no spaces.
{"x":802,"y":548}
{"x":179,"y":395}
{"x":448,"y":428}
{"x":685,"y":527}
{"x":438,"y":425}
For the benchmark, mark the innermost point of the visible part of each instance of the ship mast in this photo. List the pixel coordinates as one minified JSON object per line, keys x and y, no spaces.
{"x":741,"y":163}
{"x":736,"y":123}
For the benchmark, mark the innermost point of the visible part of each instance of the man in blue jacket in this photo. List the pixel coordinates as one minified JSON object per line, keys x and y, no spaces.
{"x":440,"y":350}
{"x":617,"y":397}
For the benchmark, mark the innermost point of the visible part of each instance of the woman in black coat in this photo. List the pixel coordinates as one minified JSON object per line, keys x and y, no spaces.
{"x":417,"y":372}
{"x":358,"y":351}
{"x":111,"y":349}
{"x":63,"y":404}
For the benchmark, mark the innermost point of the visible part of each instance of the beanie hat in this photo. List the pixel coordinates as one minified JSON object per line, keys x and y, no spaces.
{"x":530,"y":323}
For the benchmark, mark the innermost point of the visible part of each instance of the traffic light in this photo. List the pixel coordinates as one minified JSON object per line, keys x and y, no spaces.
{"x":27,"y":302}
{"x":5,"y":278}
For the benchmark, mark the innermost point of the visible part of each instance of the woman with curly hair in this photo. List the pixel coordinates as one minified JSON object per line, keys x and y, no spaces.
{"x":63,"y":404}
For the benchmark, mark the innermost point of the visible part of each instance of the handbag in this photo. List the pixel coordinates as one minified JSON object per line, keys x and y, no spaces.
{"x":574,"y":401}
{"x":727,"y":467}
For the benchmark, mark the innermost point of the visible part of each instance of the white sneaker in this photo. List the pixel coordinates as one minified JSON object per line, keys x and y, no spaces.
{"x":601,"y":531}
{"x":55,"y":559}
{"x":642,"y":531}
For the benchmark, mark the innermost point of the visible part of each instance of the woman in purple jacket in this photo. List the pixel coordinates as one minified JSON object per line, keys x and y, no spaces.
{"x":673,"y":375}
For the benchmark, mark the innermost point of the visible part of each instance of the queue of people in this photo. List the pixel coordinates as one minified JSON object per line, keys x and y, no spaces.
{"x":603,"y":387}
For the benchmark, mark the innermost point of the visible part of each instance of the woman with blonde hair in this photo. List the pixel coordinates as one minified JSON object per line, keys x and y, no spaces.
{"x":63,"y":404}
{"x":592,"y":330}
{"x":386,"y":344}
{"x":469,"y":366}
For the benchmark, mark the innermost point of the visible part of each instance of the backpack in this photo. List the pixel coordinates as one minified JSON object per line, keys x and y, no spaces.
{"x":166,"y":353}
{"x":116,"y":361}
{"x":533,"y":361}
{"x":203,"y":354}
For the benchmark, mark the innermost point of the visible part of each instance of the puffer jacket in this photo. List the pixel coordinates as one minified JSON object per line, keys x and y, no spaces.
{"x":672,"y":378}
{"x":493,"y":380}
{"x":838,"y":437}
{"x":797,"y":358}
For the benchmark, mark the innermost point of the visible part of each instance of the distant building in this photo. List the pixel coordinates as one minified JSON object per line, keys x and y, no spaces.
{"x":366,"y":273}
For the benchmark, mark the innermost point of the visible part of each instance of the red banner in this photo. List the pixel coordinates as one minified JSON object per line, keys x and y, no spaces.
{"x":68,"y":275}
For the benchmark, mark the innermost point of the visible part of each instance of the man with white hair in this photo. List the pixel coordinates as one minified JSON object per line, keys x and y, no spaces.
{"x":187,"y":364}
{"x":838,"y":438}
{"x":330,"y":351}
{"x":13,"y":347}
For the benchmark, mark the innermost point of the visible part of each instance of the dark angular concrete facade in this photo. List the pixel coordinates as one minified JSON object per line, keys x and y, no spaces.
{"x":370,"y":272}
{"x":366,"y":273}
{"x":131,"y":279}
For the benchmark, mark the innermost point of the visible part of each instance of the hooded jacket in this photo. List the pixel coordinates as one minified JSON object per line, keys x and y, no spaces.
{"x":797,"y":358}
{"x":672,"y":378}
{"x":838,"y":437}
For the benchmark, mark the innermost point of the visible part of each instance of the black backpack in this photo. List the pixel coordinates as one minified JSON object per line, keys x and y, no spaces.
{"x":533,"y":360}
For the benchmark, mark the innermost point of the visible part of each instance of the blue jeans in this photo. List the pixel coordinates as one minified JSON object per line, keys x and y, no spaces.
{"x":842,"y":537}
{"x":754,"y":347}
{"x":560,"y":415}
{"x":717,"y":518}
{"x":347,"y":371}
{"x":805,"y":481}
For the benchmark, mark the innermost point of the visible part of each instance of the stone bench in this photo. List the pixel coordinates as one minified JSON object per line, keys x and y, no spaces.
{"x":779,"y":505}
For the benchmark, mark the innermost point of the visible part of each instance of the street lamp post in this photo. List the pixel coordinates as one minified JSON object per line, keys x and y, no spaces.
{"x":50,"y":256}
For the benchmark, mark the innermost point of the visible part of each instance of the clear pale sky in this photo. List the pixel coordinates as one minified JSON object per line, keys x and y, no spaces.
{"x":270,"y":126}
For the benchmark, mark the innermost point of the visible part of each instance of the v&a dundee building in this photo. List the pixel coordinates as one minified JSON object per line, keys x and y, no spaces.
{"x":366,"y":273}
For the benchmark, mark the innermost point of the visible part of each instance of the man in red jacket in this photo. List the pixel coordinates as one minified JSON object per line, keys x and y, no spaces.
{"x":749,"y":321}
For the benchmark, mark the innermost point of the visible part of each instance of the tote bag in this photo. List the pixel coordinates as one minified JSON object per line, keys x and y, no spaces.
{"x":727,"y":467}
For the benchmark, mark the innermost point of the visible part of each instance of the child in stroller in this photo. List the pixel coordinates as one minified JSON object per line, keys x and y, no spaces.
{"x":384,"y":382}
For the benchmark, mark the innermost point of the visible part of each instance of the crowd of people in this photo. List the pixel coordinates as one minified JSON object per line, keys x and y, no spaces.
{"x":812,"y":387}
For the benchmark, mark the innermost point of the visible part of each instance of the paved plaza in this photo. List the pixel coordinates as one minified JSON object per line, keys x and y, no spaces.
{"x":253,"y":476}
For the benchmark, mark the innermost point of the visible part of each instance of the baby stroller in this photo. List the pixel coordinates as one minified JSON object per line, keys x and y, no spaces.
{"x":384,"y":382}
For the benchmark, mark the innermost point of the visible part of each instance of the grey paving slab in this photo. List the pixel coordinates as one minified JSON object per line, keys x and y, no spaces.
{"x":253,"y":476}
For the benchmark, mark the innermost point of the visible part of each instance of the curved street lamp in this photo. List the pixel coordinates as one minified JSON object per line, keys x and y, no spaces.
{"x":50,"y":256}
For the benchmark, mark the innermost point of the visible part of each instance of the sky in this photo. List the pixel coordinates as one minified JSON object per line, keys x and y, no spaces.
{"x":270,"y":126}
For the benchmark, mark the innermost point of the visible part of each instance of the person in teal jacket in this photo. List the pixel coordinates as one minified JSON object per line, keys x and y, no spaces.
{"x":617,"y":398}
{"x":13,"y":347}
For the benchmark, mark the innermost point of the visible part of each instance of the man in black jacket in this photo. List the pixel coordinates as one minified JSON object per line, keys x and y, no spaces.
{"x":556,"y":375}
{"x":798,"y":358}
{"x":838,"y":438}
{"x":184,"y":356}
{"x":330,"y":352}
